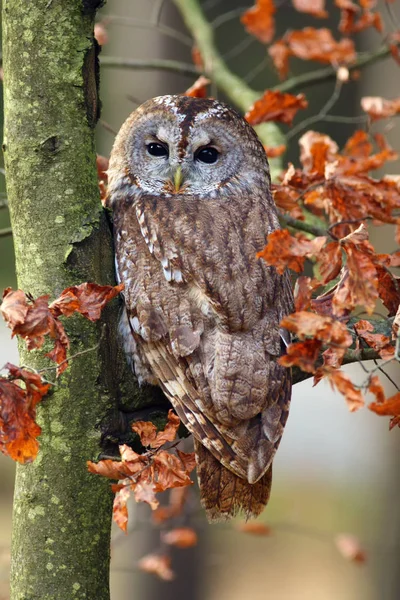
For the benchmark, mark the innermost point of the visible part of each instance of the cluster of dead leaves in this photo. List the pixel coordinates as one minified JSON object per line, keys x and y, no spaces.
{"x":311,"y":43}
{"x":146,"y":474}
{"x":34,"y":320}
{"x":335,"y":188}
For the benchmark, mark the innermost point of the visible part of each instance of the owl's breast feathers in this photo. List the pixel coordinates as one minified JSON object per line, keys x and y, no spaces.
{"x":205,"y":313}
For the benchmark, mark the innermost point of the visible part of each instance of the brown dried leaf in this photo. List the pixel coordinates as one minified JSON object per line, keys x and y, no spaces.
{"x":361,"y":286}
{"x":376,"y":388}
{"x":18,"y":429}
{"x":157,"y":564}
{"x":380,"y":108}
{"x":259,"y":20}
{"x":254,"y":528}
{"x":145,"y":492}
{"x":120,"y":509}
{"x":88,"y":299}
{"x":303,"y":289}
{"x":283,"y":250}
{"x":275,"y":151}
{"x":325,"y":329}
{"x":390,"y":407}
{"x":316,"y":150}
{"x":276,"y":106}
{"x":199,"y":88}
{"x":181,"y":537}
{"x":345,"y":386}
{"x":149,"y":435}
{"x":280,"y":54}
{"x":379,"y":342}
{"x":329,"y":262}
{"x":302,"y":354}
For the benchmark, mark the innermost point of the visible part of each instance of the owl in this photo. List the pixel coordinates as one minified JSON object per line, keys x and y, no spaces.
{"x":189,"y":187}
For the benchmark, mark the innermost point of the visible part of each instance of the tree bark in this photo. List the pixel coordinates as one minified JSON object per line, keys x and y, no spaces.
{"x":62,"y":514}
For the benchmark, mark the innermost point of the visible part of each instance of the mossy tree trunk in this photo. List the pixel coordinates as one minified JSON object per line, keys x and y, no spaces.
{"x":62,"y":514}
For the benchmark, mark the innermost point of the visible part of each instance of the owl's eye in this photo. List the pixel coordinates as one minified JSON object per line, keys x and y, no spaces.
{"x":207,"y":155}
{"x":157,"y":149}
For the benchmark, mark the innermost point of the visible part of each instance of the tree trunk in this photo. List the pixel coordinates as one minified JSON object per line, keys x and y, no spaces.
{"x":61,"y":522}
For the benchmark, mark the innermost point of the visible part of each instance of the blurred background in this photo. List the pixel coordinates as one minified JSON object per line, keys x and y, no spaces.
{"x":335,"y":472}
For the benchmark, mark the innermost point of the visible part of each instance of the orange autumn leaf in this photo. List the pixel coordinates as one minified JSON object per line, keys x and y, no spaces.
{"x":149,"y":436}
{"x":181,"y":537}
{"x":354,"y":20}
{"x":389,"y":408}
{"x":259,"y":20}
{"x":199,"y":88}
{"x":311,"y":44}
{"x":102,"y":166}
{"x":302,"y":354}
{"x":379,"y":342}
{"x":18,"y":429}
{"x":329,"y":262}
{"x":325,"y":329}
{"x":283,"y":250}
{"x":280,"y":54}
{"x":275,"y":151}
{"x":350,"y":548}
{"x":380,"y":108}
{"x":177,"y":499}
{"x":275,"y":106}
{"x":303,"y":289}
{"x":157,"y":564}
{"x":145,"y":492}
{"x":254,"y":528}
{"x":197,"y":58}
{"x":120,"y":509}
{"x":361,"y":286}
{"x":312,"y":7}
{"x":316,"y":150}
{"x":88,"y":299}
{"x":342,"y":382}
{"x":376,"y":388}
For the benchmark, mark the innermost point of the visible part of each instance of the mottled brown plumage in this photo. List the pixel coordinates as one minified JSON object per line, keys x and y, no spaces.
{"x":202,"y":312}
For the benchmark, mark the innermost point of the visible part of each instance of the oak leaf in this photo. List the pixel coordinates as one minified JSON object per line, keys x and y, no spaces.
{"x":18,"y":429}
{"x":88,"y":299}
{"x":149,"y":436}
{"x":276,"y":106}
{"x":329,"y":262}
{"x":345,"y":386}
{"x":158,"y":564}
{"x":380,"y":108}
{"x":254,"y":528}
{"x":181,"y":537}
{"x":379,"y":342}
{"x":259,"y":20}
{"x":199,"y":88}
{"x":283,"y":250}
{"x":390,"y":407}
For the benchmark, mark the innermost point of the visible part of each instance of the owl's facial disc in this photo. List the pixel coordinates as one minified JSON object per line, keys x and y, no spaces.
{"x":192,"y":146}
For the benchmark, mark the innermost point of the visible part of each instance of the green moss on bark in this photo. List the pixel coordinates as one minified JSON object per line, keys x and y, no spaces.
{"x":61,"y":529}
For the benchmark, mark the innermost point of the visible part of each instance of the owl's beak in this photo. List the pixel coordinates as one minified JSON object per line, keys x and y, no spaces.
{"x":178,"y":178}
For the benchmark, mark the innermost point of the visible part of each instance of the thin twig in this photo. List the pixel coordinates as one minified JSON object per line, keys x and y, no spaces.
{"x":7,"y":231}
{"x":328,"y":73}
{"x":302,"y":225}
{"x":227,"y":16}
{"x":322,"y":113}
{"x":158,"y":64}
{"x":164,"y":29}
{"x":107,"y":127}
{"x":70,"y":358}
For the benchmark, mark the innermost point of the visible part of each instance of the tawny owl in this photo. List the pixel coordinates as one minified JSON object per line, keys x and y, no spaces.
{"x":189,"y":187}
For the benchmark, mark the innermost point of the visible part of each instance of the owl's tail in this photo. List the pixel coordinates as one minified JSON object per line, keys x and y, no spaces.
{"x":223,"y":494}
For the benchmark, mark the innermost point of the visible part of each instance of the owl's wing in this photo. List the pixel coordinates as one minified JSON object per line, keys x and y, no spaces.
{"x":222,"y":377}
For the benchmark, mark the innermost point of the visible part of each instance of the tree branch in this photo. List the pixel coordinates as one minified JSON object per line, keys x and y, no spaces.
{"x":302,"y":225}
{"x":174,"y":66}
{"x":5,"y":232}
{"x":238,"y":92}
{"x":328,"y":73}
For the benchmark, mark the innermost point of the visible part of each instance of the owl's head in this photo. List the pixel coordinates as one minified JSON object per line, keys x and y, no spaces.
{"x":179,"y":144}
